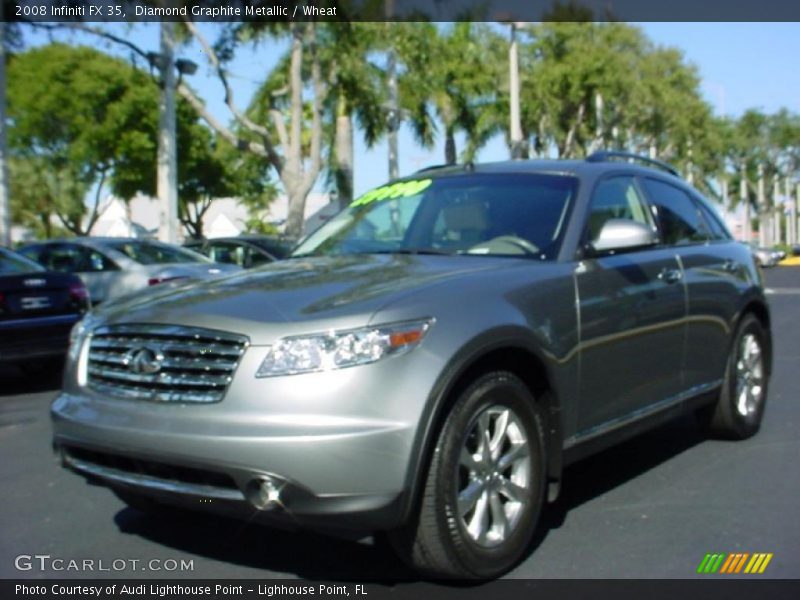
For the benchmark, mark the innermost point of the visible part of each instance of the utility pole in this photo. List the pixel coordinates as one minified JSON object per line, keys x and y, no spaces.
{"x":5,"y":204}
{"x":393,"y":115}
{"x":515,"y":126}
{"x":762,"y":208}
{"x":167,"y":174}
{"x":746,"y":228}
{"x":791,"y":213}
{"x":777,"y":215}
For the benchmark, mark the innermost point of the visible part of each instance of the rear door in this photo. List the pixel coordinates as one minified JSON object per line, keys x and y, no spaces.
{"x":632,"y":308}
{"x":715,"y":275}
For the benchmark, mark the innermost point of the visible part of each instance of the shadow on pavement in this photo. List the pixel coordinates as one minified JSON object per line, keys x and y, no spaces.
{"x":33,"y":379}
{"x":316,"y":556}
{"x":308,"y":555}
{"x":597,"y":474}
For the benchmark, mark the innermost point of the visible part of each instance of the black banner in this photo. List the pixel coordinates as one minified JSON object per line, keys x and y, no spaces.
{"x":399,"y":10}
{"x":718,"y":588}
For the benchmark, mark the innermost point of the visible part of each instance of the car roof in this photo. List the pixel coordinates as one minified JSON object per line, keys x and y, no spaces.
{"x":570,"y":167}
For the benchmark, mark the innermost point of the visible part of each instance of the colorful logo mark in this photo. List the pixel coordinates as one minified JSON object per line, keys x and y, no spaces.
{"x":733,"y":563}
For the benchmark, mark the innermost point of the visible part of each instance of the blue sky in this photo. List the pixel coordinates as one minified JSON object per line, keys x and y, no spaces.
{"x":742,"y":65}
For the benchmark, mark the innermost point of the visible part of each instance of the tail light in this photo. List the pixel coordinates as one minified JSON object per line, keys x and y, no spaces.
{"x":158,"y":280}
{"x":79,"y":294}
{"x":2,"y":303}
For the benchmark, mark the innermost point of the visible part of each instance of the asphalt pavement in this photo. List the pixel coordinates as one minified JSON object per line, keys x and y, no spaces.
{"x":652,"y":507}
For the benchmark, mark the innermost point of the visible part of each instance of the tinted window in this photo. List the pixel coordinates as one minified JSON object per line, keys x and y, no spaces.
{"x":226,"y":252}
{"x":615,"y":198}
{"x":256,"y":257}
{"x":154,"y":253}
{"x":713,"y":223}
{"x":276,"y":247}
{"x":677,"y":214}
{"x":14,"y":263}
{"x":71,"y":258}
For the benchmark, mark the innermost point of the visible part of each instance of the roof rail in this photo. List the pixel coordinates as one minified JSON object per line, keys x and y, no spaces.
{"x":433,"y":168}
{"x":606,"y":155}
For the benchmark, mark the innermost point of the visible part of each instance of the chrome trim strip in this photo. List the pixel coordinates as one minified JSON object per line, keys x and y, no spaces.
{"x":199,"y":348}
{"x":172,"y":331}
{"x":193,"y":364}
{"x":127,"y":392}
{"x":161,"y":378}
{"x":636,"y":415}
{"x":155,"y":483}
{"x":43,"y":321}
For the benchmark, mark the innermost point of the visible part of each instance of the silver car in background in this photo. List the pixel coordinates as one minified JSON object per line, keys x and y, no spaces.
{"x":428,"y":361}
{"x":113,"y":267}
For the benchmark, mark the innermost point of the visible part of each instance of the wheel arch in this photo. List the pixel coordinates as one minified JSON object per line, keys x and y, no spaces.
{"x":511,"y":350}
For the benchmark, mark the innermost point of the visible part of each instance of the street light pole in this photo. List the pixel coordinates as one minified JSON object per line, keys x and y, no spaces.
{"x":5,"y":204}
{"x":393,"y":116}
{"x":167,"y":172}
{"x":515,"y":126}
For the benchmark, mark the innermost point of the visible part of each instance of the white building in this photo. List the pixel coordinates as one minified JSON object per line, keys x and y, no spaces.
{"x":225,"y":217}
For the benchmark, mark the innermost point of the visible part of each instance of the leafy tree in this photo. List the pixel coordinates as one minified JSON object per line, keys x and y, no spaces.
{"x":78,"y":113}
{"x":84,"y":123}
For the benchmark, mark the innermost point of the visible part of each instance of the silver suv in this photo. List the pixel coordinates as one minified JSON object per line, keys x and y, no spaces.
{"x":429,"y":360}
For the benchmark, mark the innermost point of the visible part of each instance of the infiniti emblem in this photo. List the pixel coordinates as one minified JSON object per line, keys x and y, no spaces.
{"x":143,"y":360}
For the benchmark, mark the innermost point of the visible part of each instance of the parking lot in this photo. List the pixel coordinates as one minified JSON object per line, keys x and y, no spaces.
{"x":650,"y":508}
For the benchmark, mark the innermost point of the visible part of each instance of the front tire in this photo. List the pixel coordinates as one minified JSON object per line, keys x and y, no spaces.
{"x":485,"y":485}
{"x":740,"y":407}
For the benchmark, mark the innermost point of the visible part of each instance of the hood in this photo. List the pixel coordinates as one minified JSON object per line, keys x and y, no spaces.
{"x":332,"y":288}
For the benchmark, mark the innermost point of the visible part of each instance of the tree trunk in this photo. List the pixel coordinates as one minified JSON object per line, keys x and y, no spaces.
{"x":450,"y":146}
{"x":295,"y":218}
{"x":343,"y":174}
{"x":566,"y":151}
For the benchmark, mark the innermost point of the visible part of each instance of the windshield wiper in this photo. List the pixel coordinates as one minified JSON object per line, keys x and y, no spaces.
{"x":427,"y":251}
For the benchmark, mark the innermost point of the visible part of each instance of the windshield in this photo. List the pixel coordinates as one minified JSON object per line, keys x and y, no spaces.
{"x":14,"y":263}
{"x":154,"y":253}
{"x":478,"y":214}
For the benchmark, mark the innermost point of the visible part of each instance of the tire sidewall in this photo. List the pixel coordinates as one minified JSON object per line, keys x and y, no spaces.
{"x":501,"y":389}
{"x":745,"y":426}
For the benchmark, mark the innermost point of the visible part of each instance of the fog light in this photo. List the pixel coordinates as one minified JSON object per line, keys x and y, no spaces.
{"x":264,"y":493}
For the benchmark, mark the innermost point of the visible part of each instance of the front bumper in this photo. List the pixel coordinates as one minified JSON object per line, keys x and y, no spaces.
{"x":336,"y":445}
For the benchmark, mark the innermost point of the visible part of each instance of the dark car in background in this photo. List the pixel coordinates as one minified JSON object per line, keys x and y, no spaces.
{"x":427,"y":362}
{"x":113,"y":267}
{"x":37,"y":311}
{"x":246,"y":251}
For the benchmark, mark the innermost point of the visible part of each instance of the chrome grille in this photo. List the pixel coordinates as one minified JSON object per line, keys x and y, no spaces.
{"x":163,"y":363}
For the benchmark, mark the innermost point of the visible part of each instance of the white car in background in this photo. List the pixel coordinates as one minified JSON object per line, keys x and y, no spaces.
{"x":114,"y":267}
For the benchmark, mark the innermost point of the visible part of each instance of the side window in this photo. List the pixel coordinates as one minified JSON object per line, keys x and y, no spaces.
{"x":677,"y":214}
{"x":716,"y":229}
{"x":615,"y":198}
{"x":223,"y":252}
{"x":256,"y":258}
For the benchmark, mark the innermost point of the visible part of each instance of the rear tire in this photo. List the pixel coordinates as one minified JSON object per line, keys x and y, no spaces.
{"x":740,"y":407}
{"x":485,"y":485}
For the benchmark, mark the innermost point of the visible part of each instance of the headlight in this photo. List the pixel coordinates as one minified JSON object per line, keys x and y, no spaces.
{"x":341,"y":349}
{"x":78,"y":334}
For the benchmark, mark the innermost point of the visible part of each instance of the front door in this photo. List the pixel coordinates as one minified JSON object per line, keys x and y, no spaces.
{"x":632,"y":308}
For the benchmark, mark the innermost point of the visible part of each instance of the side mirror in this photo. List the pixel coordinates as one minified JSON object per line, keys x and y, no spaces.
{"x":623,"y":234}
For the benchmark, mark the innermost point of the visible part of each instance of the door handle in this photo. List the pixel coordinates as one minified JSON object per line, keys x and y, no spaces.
{"x":670,"y":275}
